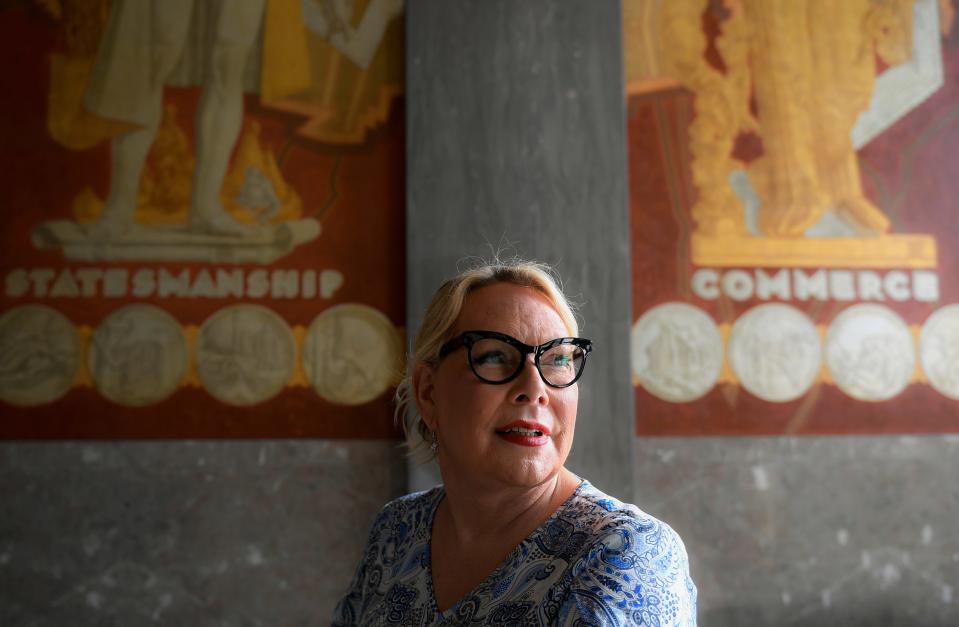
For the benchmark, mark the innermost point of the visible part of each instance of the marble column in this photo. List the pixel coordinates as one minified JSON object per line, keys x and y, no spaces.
{"x":516,"y":145}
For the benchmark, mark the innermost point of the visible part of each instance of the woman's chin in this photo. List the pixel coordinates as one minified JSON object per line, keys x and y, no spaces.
{"x":531,"y":472}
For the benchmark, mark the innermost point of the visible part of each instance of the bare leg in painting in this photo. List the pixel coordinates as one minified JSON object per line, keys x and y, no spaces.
{"x":169,"y":26}
{"x":220,"y":115}
{"x":234,"y":27}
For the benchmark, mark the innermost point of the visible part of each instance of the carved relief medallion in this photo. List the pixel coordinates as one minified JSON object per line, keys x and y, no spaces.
{"x":677,"y":352}
{"x":352,"y":354}
{"x":870,"y":352}
{"x":245,"y":354}
{"x":939,"y":350}
{"x":39,"y":355}
{"x":775,"y":352}
{"x":138,"y":355}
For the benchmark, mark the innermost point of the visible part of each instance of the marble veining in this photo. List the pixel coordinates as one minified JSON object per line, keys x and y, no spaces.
{"x":186,"y":533}
{"x":812,"y":531}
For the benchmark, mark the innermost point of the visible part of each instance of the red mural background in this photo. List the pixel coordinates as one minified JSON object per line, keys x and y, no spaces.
{"x":910,"y":171}
{"x":356,"y":190}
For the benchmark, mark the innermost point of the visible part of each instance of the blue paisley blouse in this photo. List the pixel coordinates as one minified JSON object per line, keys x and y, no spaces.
{"x":595,"y":561}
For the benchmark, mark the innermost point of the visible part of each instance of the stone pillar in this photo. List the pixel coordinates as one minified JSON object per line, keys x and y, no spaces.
{"x":516,"y":143}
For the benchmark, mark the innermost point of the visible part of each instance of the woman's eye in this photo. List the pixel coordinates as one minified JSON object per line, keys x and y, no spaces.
{"x":558,"y":361}
{"x":490,"y":357}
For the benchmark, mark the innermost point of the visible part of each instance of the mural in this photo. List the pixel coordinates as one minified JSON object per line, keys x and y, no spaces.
{"x":792,"y":190}
{"x":204,"y":226}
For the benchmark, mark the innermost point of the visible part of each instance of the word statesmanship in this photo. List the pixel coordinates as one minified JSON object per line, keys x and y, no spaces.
{"x":821,"y":284}
{"x":164,"y":283}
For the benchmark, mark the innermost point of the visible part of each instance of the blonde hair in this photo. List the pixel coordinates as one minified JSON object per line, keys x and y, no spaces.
{"x":437,"y":326}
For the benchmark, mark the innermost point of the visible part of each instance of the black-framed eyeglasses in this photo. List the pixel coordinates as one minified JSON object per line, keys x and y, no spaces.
{"x":499,"y":358}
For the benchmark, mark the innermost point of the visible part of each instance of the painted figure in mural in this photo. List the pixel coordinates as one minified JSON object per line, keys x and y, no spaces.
{"x":216,"y":44}
{"x":331,"y":19}
{"x":512,"y":536}
{"x":809,"y":91}
{"x":140,"y":50}
{"x":810,"y":68}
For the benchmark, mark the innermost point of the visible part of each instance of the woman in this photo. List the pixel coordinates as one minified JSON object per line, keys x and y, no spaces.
{"x":511,"y":537}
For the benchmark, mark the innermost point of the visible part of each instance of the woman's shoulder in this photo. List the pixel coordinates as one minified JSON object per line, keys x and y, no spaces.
{"x":413,"y":501}
{"x":622,"y":529}
{"x":597,"y":514}
{"x":407,"y":513}
{"x":592,"y":523}
{"x":626,"y":561}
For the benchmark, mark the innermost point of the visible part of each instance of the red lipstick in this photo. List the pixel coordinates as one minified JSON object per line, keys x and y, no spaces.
{"x":524,"y":433}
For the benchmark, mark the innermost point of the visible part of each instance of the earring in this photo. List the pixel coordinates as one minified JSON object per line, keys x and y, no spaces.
{"x":434,"y":444}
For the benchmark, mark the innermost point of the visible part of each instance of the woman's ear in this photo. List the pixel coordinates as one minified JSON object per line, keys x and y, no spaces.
{"x":423,"y":387}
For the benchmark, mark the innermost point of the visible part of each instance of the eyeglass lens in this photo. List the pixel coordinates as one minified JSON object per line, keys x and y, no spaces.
{"x":495,"y":360}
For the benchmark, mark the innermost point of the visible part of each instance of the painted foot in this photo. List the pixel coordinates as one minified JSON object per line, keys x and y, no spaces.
{"x":219,"y":223}
{"x":108,"y":229}
{"x":863,"y":215}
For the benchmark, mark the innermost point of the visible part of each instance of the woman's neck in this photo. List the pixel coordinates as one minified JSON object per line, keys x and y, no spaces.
{"x":476,"y":526}
{"x":476,"y":512}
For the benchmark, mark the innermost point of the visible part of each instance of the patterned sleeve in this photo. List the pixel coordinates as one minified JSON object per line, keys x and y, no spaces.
{"x":349,"y":610}
{"x":634,"y":574}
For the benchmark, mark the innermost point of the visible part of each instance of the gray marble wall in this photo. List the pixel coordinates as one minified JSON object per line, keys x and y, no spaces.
{"x":780,"y":531}
{"x":825,"y":531}
{"x":186,"y":533}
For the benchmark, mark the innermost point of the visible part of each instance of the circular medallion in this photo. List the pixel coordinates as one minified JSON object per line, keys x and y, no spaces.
{"x":775,"y":352}
{"x":939,"y":350}
{"x":245,"y":354}
{"x":677,"y":352}
{"x":870,"y":352}
{"x":39,"y":355}
{"x":138,"y":355}
{"x":352,"y":354}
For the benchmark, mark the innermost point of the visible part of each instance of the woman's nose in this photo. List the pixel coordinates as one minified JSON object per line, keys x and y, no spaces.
{"x":529,"y":386}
